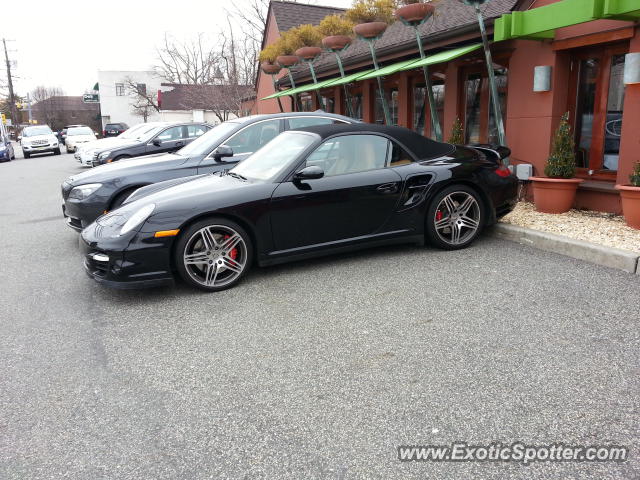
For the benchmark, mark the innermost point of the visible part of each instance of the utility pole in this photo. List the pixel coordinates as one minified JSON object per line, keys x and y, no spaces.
{"x":12,"y":98}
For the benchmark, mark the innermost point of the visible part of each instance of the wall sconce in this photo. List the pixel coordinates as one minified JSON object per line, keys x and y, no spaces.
{"x":632,"y":68}
{"x":542,"y":78}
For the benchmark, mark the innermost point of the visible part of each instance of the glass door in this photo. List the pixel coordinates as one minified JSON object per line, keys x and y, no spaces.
{"x":596,"y":108}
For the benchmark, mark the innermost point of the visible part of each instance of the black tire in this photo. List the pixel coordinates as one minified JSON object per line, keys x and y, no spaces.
{"x":121,"y":197}
{"x":454,"y":224}
{"x":198,"y":275}
{"x":56,"y":151}
{"x":26,"y":154}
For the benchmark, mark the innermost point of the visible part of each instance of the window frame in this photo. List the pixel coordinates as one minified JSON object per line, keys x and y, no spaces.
{"x":240,"y":130}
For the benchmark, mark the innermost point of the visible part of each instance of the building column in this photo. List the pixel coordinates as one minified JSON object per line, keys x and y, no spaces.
{"x":338,"y":100}
{"x":368,"y":99}
{"x":451,"y":96}
{"x":404,"y":97}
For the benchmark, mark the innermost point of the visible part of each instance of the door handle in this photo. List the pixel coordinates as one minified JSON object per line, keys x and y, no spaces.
{"x":387,"y":188}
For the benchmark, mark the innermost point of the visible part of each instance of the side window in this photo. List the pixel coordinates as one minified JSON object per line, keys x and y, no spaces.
{"x":350,"y":154}
{"x":399,"y":156}
{"x":301,"y":122}
{"x":194,"y":131}
{"x":170,"y":134}
{"x":253,"y":137}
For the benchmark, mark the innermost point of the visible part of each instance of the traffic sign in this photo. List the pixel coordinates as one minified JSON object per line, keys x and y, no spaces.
{"x":90,"y":98}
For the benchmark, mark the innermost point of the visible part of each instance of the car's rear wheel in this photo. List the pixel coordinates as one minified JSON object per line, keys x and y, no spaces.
{"x":213,"y":254}
{"x":26,"y":155}
{"x":56,"y":151}
{"x":455,"y":218}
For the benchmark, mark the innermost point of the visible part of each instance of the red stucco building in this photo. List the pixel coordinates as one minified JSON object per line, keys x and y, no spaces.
{"x":585,"y":43}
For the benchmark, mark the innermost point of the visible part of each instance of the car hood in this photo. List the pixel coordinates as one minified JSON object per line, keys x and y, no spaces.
{"x":48,"y":136}
{"x":81,"y":138}
{"x":130,"y":166}
{"x":118,"y":144}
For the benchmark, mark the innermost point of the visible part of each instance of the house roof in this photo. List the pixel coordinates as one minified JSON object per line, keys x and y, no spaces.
{"x":451,"y":19}
{"x":66,"y":103}
{"x":202,"y":97}
{"x":292,"y":14}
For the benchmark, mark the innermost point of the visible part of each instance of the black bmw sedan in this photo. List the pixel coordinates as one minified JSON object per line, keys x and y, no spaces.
{"x":89,"y":194}
{"x":309,"y":192}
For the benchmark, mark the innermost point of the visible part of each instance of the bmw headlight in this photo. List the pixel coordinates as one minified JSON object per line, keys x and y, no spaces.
{"x":104,"y":155}
{"x":83,"y":191}
{"x":137,"y":218}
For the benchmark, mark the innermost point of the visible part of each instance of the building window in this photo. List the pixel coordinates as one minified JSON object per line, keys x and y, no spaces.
{"x":119,"y":89}
{"x":479,"y":121}
{"x":356,"y":106}
{"x":329,"y":104}
{"x":392,"y":101}
{"x":306,"y":102}
{"x":421,"y":115}
{"x":141,"y":88}
{"x":597,"y":107}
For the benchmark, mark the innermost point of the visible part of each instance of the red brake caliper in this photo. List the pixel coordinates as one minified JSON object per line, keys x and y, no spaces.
{"x":234,"y":251}
{"x":439,"y":215}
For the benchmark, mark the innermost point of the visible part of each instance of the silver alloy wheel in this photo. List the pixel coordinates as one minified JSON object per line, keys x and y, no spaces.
{"x":215,"y":256}
{"x":457,"y":218}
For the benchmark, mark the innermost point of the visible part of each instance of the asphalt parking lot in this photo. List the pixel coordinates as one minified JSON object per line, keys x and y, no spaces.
{"x":310,"y":370}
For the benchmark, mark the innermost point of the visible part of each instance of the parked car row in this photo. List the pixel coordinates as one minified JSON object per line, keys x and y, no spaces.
{"x":274,"y":188}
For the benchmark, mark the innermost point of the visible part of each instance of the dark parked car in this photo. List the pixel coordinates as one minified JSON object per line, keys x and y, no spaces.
{"x":6,"y":147}
{"x":309,"y":192}
{"x":114,"y":129}
{"x":160,"y":137}
{"x":89,"y":194}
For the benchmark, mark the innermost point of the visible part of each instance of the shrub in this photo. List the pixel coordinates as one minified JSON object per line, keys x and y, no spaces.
{"x":634,"y":178}
{"x":305,"y":35}
{"x":288,"y":43}
{"x":365,"y":11}
{"x":269,"y":53}
{"x":562,"y":161}
{"x":457,"y":134}
{"x":335,"y":25}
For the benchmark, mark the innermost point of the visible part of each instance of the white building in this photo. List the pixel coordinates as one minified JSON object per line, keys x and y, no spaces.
{"x":116,"y":98}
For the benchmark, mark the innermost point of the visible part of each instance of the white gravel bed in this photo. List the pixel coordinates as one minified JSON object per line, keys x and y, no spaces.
{"x":595,"y":227}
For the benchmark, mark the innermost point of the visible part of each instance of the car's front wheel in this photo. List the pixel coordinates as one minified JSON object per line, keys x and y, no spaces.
{"x":56,"y":151}
{"x":213,"y":254}
{"x":454,"y":218}
{"x":26,"y":154}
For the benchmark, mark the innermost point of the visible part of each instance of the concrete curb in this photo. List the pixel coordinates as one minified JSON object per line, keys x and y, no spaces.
{"x":589,"y":252}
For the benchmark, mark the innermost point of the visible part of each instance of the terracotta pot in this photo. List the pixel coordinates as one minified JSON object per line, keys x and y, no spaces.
{"x":336,"y":42}
{"x":287,"y":60}
{"x":308,"y":53}
{"x":414,"y":13}
{"x":554,"y":195}
{"x":630,"y":197}
{"x":270,"y":68}
{"x":370,"y":29}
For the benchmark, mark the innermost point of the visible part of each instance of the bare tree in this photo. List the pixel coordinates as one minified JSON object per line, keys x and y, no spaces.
{"x":192,"y":61}
{"x":144,"y":102}
{"x":47,"y":103}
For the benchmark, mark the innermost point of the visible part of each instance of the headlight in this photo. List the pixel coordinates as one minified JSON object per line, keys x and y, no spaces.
{"x":103,"y":155}
{"x":137,"y":218}
{"x":83,"y":191}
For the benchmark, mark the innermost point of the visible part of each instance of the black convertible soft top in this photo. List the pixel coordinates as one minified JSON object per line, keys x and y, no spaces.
{"x":423,"y":148}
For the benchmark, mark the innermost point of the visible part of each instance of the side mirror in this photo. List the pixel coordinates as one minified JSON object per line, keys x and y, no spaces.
{"x":221,"y":152}
{"x":309,"y":173}
{"x":157,"y":142}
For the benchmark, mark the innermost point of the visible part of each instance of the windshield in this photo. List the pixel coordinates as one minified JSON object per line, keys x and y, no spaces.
{"x":79,"y":131}
{"x":276,"y":156}
{"x":132,"y":132}
{"x":33,"y":131}
{"x":205,"y":143}
{"x":147,"y":132}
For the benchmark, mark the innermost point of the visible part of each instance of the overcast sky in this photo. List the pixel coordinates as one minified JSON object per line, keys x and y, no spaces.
{"x":64,"y":44}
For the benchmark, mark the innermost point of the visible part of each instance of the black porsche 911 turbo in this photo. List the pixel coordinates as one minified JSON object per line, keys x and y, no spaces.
{"x":309,"y":192}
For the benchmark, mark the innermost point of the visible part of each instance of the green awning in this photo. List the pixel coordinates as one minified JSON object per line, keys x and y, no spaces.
{"x":542,"y":22}
{"x":441,"y":57}
{"x":445,"y":56}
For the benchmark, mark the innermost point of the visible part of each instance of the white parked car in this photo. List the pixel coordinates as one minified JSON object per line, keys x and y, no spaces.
{"x":38,"y":139}
{"x":77,"y":136}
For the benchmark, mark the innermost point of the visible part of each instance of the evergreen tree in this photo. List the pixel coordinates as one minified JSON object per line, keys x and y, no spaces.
{"x":457,"y":136}
{"x":562,"y":161}
{"x":635,"y":176}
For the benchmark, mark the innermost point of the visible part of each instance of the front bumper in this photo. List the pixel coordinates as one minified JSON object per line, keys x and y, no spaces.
{"x":79,"y":214}
{"x":126,"y":263}
{"x":40,"y":148}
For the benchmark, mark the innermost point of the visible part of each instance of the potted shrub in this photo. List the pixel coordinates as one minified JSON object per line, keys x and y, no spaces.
{"x":457,"y":133}
{"x":414,"y":12}
{"x":630,"y":196}
{"x":556,"y":192}
{"x":309,"y":40}
{"x":267,"y":59}
{"x":287,"y":45}
{"x":371,"y":17}
{"x":336,"y":31}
